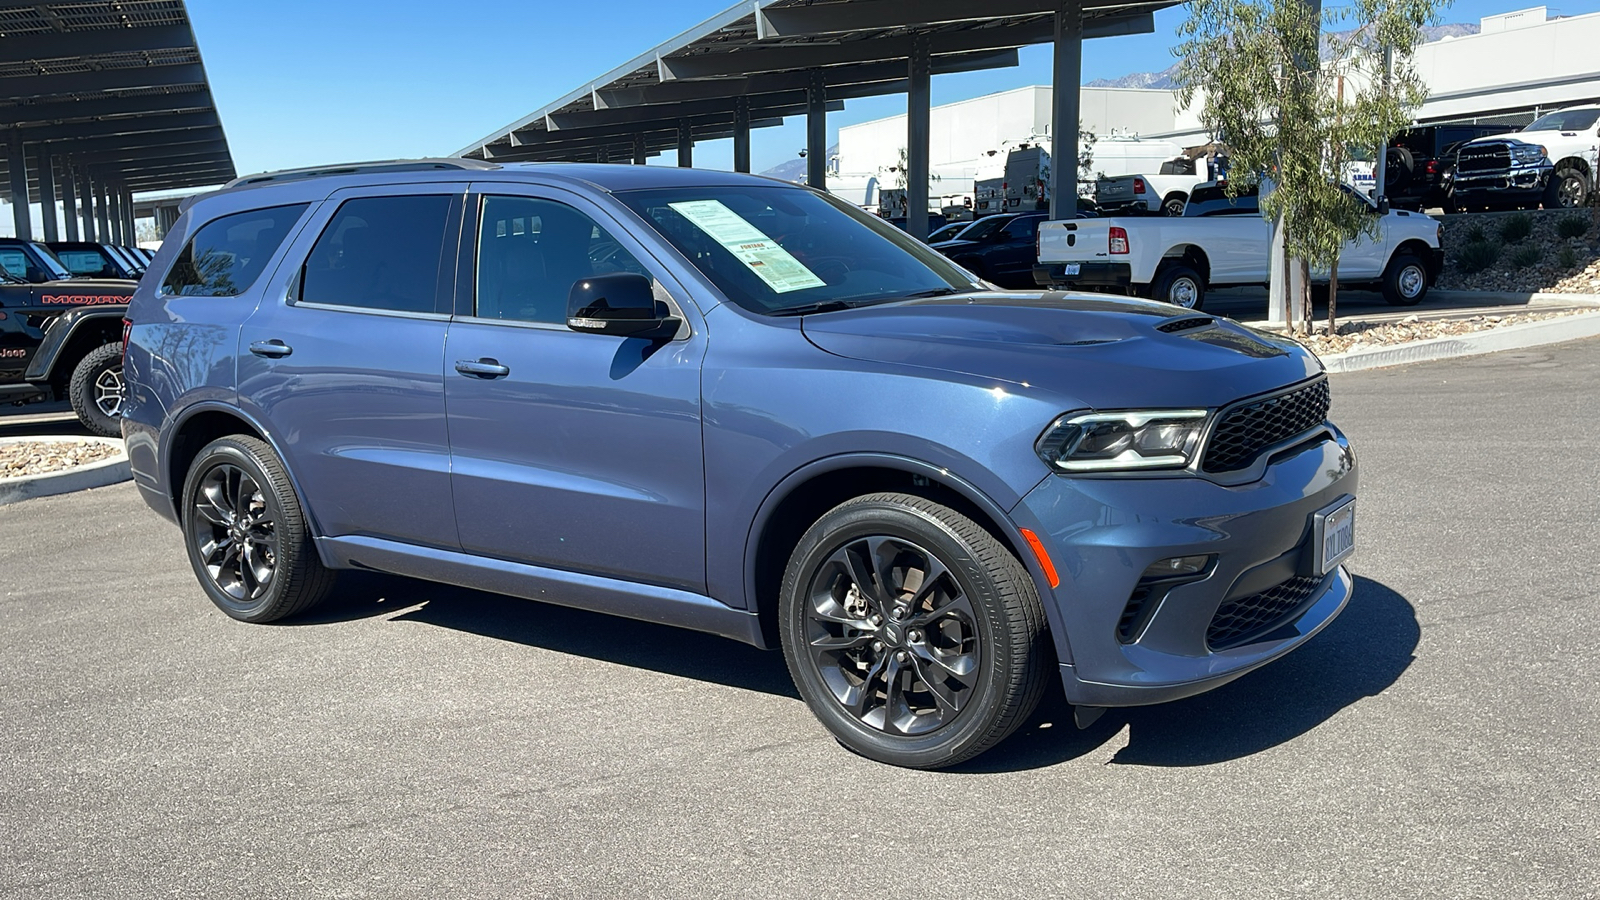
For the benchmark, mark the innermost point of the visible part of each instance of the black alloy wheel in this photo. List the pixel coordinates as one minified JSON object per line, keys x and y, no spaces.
{"x":246,"y":533}
{"x":914,"y":636}
{"x":96,"y":390}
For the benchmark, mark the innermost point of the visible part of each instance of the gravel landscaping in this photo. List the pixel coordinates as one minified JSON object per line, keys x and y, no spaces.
{"x":1362,"y":335}
{"x":1523,"y":251}
{"x":39,"y":457}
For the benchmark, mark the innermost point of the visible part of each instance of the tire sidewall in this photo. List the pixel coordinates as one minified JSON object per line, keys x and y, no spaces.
{"x":848,"y":523}
{"x":102,"y":359}
{"x":1171,"y":277}
{"x":1391,"y":280}
{"x":230,"y":452}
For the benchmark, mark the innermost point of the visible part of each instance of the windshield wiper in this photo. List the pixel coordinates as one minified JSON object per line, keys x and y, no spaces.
{"x":819,"y":307}
{"x":936,"y":292}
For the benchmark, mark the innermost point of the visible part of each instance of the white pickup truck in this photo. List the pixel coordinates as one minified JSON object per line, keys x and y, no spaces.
{"x":1165,"y":192}
{"x":1222,"y":241}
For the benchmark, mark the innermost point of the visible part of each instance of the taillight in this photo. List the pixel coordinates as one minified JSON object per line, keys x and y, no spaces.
{"x":1432,"y":168}
{"x":1138,"y":185}
{"x":1119,"y":240}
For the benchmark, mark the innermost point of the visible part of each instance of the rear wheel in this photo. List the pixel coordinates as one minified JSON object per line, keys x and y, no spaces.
{"x":1173,"y":205}
{"x":96,"y":390}
{"x":914,"y":636}
{"x":1405,"y":281}
{"x":1180,"y":285}
{"x":247,"y":535}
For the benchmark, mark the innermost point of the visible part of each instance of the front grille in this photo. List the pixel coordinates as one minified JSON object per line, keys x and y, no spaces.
{"x":1239,"y":620}
{"x":1176,"y":325}
{"x":1487,"y":158}
{"x":1245,"y":430}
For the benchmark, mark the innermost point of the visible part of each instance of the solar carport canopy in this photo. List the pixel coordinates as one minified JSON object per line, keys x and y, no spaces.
{"x":113,"y":88}
{"x":761,"y":60}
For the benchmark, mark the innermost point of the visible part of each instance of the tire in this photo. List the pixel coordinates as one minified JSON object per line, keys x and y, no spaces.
{"x":988,"y":648}
{"x":1400,"y":166}
{"x":95,"y":390}
{"x":1568,"y":189}
{"x":1174,"y":204}
{"x":236,"y":476}
{"x":1405,"y":280}
{"x":1180,"y":285}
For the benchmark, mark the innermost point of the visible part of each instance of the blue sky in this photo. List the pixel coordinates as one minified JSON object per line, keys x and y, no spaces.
{"x":302,"y":83}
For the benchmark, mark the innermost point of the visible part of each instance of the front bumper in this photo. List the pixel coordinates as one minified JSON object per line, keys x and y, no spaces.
{"x":1103,"y":533}
{"x":1090,"y":275}
{"x":1518,"y":180}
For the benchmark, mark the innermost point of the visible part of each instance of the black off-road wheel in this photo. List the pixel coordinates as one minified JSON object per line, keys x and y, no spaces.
{"x":96,"y":390}
{"x":1405,"y":281}
{"x":247,"y":535}
{"x":914,"y":636}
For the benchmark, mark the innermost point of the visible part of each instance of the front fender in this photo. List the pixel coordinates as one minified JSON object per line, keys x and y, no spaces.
{"x":60,"y":333}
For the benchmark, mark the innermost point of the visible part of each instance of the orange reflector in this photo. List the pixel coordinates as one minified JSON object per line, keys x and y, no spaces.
{"x":1043,"y":557}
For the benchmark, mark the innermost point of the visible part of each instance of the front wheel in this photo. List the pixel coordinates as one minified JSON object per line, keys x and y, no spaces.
{"x":1405,"y":281}
{"x":1180,"y":285}
{"x":1568,"y":189}
{"x":914,"y":636}
{"x":95,"y":390}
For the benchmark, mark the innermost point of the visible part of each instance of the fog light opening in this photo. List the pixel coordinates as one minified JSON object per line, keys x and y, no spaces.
{"x":1177,"y":567}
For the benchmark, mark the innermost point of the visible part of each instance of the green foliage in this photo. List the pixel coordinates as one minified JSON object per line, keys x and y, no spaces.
{"x":1567,"y":258}
{"x":1572,"y":226}
{"x":1475,"y":233}
{"x":1515,"y":229}
{"x":1477,"y":256}
{"x":1527,"y":255}
{"x":1281,"y":113}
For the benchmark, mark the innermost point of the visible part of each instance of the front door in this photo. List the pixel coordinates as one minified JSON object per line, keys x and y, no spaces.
{"x":574,"y":451}
{"x":345,"y":359}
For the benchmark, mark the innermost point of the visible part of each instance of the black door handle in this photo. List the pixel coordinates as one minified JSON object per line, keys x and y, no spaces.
{"x":482,"y":368}
{"x":273,"y":349}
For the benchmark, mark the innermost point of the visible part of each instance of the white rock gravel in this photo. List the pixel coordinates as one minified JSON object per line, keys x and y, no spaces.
{"x":39,"y":457}
{"x":1362,"y":335}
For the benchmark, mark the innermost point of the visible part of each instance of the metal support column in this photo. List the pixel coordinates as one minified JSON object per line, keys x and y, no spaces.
{"x":918,"y":101}
{"x":685,"y":145}
{"x":19,"y":186}
{"x":117,"y":237}
{"x":817,"y":131}
{"x":69,"y":198}
{"x":102,"y":211}
{"x":640,"y":156}
{"x":130,"y":221}
{"x":741,"y":134}
{"x":47,"y":194}
{"x":1067,"y":75}
{"x":86,"y":203}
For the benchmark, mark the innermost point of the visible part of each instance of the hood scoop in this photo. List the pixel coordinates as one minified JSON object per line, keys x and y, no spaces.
{"x":1185,"y":324}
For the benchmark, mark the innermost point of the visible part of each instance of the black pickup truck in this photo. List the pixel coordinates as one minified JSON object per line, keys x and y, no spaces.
{"x":61,"y":337}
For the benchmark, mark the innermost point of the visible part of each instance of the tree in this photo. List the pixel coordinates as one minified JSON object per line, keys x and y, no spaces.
{"x":1287,"y":100}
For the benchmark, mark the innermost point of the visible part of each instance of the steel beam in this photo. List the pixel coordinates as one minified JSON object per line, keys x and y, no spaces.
{"x":19,"y":186}
{"x":47,"y":194}
{"x":217,"y":149}
{"x":61,"y":44}
{"x":860,"y":15}
{"x":86,"y":203}
{"x":685,"y":145}
{"x":918,"y":133}
{"x":114,"y":198}
{"x":53,"y":110}
{"x":69,"y":198}
{"x":133,"y":124}
{"x":741,"y":134}
{"x":640,"y":157}
{"x":817,"y":132}
{"x":1067,"y":75}
{"x":723,"y":118}
{"x":97,"y":81}
{"x":141,"y":141}
{"x":102,"y":209}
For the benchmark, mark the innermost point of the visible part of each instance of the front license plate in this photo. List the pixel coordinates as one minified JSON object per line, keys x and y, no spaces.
{"x":1070,"y":269}
{"x":1334,"y":532}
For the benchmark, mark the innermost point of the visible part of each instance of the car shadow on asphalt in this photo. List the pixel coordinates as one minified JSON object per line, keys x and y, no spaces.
{"x":625,"y":642}
{"x":1360,"y":655}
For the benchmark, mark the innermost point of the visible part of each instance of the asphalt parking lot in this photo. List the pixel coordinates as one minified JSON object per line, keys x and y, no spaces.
{"x":1438,"y":740}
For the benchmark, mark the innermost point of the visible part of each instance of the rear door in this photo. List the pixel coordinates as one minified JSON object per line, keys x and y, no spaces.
{"x":345,"y":359}
{"x":577,"y":451}
{"x":1011,"y":261}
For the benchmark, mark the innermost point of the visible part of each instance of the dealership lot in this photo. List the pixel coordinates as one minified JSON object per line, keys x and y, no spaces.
{"x":1436,"y":740}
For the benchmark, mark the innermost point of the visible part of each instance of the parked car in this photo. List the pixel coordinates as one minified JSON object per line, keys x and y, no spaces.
{"x":948,"y":231}
{"x":1222,"y":240}
{"x":1552,"y":162}
{"x":1164,"y":192}
{"x":63,"y":340}
{"x":91,"y":259}
{"x":1002,"y":252}
{"x":1418,"y":164}
{"x":730,"y":404}
{"x":30,"y":261}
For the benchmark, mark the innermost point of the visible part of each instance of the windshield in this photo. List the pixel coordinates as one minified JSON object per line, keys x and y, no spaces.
{"x":982,"y":228}
{"x":1571,"y":120}
{"x":773,"y":249}
{"x":53,"y":265}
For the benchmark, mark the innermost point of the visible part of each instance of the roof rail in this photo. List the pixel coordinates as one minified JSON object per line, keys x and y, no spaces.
{"x":388,"y":165}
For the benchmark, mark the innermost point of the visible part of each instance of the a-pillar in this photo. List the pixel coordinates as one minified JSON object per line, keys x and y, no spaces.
{"x":741,"y":134}
{"x":69,"y":198}
{"x":47,"y":194}
{"x":1064,"y":125}
{"x":86,"y":203}
{"x":817,"y":131}
{"x":19,"y":186}
{"x":685,"y":145}
{"x":102,"y":211}
{"x":918,"y":100}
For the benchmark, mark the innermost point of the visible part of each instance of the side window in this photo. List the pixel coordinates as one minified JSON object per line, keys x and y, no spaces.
{"x":381,"y":253}
{"x":531,"y":251}
{"x":1023,"y":229}
{"x":227,"y":254}
{"x":14,"y":261}
{"x":84,"y":262}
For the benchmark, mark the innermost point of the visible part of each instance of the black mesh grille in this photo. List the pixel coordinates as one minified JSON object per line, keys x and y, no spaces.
{"x":1239,"y":620}
{"x":1245,"y":430}
{"x":1133,"y":615}
{"x":1483,"y":158}
{"x":1185,"y":324}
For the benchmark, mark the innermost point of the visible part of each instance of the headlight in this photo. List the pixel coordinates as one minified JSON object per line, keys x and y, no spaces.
{"x":1117,"y":441}
{"x":1528,"y":153}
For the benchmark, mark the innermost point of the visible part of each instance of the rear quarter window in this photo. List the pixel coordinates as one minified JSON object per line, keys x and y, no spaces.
{"x":228,"y":254}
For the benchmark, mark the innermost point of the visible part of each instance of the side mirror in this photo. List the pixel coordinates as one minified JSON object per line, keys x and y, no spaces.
{"x":621,"y":305}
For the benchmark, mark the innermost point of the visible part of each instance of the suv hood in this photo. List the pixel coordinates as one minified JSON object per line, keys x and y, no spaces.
{"x":1110,"y":350}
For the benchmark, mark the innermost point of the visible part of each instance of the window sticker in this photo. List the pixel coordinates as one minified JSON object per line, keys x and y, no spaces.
{"x":771,"y":263}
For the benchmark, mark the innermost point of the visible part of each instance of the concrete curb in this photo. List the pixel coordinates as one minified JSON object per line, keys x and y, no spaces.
{"x":1511,"y":337}
{"x":1512,"y":298}
{"x":78,"y":478}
